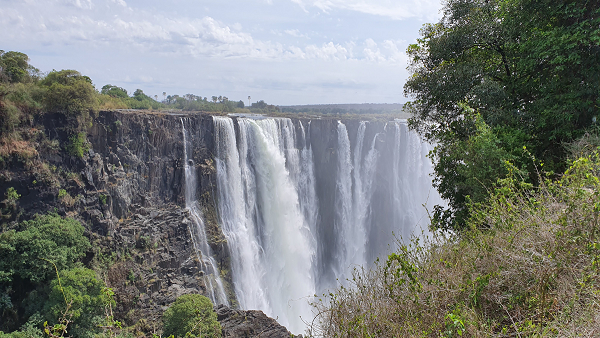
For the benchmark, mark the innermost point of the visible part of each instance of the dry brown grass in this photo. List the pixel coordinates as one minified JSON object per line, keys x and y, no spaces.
{"x":12,"y":146}
{"x":533,"y":272}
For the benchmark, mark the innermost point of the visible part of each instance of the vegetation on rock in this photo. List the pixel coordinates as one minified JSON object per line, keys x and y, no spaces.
{"x":191,"y":315}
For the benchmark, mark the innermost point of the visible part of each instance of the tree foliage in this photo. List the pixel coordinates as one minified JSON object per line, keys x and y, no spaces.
{"x":191,"y":315}
{"x":114,"y":91}
{"x":15,"y":67}
{"x":467,"y":168}
{"x":85,"y":295}
{"x":531,"y":69}
{"x":69,"y":92}
{"x":25,"y":252}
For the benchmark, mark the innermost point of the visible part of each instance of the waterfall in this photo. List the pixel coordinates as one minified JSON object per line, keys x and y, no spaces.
{"x":263,"y":217}
{"x":212,"y":278}
{"x":300,"y":208}
{"x":237,"y":210}
{"x":350,"y":242}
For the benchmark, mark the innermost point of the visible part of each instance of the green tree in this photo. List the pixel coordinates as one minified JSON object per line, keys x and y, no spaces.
{"x":25,"y":252}
{"x":69,"y":92}
{"x":83,"y":292}
{"x":114,"y":91}
{"x":466,"y":168}
{"x":191,"y":315}
{"x":143,"y":101}
{"x":530,"y":68}
{"x":15,"y":67}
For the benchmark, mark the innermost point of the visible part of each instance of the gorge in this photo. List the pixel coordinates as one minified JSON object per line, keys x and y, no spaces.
{"x":257,"y":213}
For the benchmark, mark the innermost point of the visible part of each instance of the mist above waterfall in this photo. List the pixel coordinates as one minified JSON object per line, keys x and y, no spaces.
{"x":301,"y":204}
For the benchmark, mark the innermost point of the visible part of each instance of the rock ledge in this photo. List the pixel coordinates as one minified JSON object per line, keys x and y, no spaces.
{"x":249,"y":323}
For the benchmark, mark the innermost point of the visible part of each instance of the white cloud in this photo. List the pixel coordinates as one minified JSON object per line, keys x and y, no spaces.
{"x":205,"y":49}
{"x":394,"y":51}
{"x":120,"y":2}
{"x":295,"y":33}
{"x":183,"y":36}
{"x":397,"y":10}
{"x":372,"y":52}
{"x":328,"y":51}
{"x":83,"y":4}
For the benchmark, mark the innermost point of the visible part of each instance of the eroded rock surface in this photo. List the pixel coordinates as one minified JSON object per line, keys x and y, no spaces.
{"x":249,"y":324}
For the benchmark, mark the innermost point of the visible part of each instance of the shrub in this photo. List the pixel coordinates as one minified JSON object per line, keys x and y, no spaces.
{"x":66,"y":198}
{"x":69,"y":92}
{"x":29,"y":330}
{"x":191,"y":315}
{"x":109,"y":102}
{"x":84,"y":293}
{"x":78,"y":145}
{"x":12,"y":196}
{"x":49,"y":237}
{"x":10,"y":117}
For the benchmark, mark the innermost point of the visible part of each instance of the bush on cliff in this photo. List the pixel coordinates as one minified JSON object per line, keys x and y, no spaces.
{"x":29,"y":256}
{"x":25,"y":252}
{"x":191,"y":315}
{"x":72,"y":94}
{"x":529,"y":265}
{"x":81,"y":294}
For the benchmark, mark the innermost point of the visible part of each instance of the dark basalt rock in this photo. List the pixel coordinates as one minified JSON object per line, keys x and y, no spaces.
{"x":249,"y":324}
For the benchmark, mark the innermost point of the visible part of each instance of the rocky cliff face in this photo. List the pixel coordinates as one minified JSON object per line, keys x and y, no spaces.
{"x":250,"y":323}
{"x":136,"y":168}
{"x":129,"y":191}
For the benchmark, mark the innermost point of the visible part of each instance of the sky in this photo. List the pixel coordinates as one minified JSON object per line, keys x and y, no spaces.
{"x":285,"y":52}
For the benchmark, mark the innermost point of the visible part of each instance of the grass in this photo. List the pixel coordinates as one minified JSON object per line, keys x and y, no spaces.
{"x":528,"y":267}
{"x":23,"y":150}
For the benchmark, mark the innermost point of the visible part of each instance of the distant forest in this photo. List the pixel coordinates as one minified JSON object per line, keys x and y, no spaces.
{"x":341,"y":109}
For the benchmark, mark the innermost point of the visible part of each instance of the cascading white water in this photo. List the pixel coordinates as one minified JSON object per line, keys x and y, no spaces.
{"x":212,"y":278}
{"x":363,"y":171}
{"x":287,"y":234}
{"x":344,"y":223}
{"x":237,"y":211}
{"x":412,"y":168}
{"x":263,"y":220}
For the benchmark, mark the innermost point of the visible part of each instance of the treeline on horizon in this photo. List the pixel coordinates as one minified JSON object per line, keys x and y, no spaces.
{"x":118,"y":98}
{"x":345,"y":109}
{"x":25,"y":91}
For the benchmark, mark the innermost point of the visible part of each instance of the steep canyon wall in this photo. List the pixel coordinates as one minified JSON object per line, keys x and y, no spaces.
{"x":258,"y":213}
